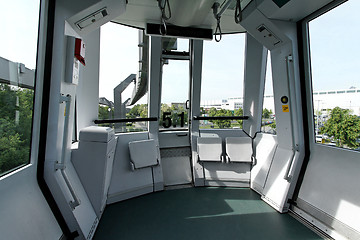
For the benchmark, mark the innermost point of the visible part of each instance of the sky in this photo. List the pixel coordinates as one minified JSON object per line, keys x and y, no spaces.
{"x":335,"y":61}
{"x":18,"y":28}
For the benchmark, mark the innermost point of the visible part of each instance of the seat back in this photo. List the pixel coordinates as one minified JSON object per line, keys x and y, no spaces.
{"x":209,"y":149}
{"x":143,"y":154}
{"x":239,"y":149}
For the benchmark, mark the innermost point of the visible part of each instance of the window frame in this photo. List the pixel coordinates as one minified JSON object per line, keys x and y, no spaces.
{"x":306,"y":51}
{"x":39,"y":73}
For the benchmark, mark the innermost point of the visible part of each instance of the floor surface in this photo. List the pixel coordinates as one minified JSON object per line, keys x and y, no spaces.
{"x":199,"y":213}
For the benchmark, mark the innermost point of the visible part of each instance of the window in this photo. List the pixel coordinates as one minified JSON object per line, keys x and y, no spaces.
{"x":334,"y":66}
{"x":222,"y":81}
{"x":175,"y":90}
{"x":18,"y":46}
{"x":268,"y":123}
{"x":123,"y":67}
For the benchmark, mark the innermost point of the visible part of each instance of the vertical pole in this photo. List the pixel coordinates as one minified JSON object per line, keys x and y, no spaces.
{"x":254,"y":84}
{"x":196,"y":51}
{"x":154,"y":98}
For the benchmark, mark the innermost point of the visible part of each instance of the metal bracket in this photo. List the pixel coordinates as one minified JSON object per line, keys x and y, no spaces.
{"x":73,"y":204}
{"x":296,"y":148}
{"x":59,"y":166}
{"x":66,"y":98}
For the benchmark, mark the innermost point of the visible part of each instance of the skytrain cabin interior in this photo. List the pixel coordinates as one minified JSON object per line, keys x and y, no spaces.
{"x":179,"y":119}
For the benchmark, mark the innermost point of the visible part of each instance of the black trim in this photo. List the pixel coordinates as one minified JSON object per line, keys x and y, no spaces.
{"x":44,"y":119}
{"x":303,"y":90}
{"x":126,"y":120}
{"x":177,"y":31}
{"x":222,"y":118}
{"x":176,"y":53}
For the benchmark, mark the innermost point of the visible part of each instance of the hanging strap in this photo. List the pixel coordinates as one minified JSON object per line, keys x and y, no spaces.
{"x":163,"y":4}
{"x":218,"y":33}
{"x":163,"y":9}
{"x":238,"y":13}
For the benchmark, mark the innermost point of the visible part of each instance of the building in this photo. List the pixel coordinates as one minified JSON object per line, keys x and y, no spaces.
{"x":323,"y":101}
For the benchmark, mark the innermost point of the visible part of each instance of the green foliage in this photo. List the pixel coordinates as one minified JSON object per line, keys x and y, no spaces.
{"x":15,"y":126}
{"x":343,"y":127}
{"x":266,"y":113}
{"x":220,"y":113}
{"x":138,"y":111}
{"x":104,"y":112}
{"x":273,"y":125}
{"x":8,"y":102}
{"x":239,"y":112}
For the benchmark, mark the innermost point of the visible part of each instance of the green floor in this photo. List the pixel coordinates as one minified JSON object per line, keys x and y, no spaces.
{"x":198,"y":213}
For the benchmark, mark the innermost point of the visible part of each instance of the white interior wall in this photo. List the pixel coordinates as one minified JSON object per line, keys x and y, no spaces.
{"x":24,"y":212}
{"x":126,"y":183}
{"x":87,"y":99}
{"x":331,"y":183}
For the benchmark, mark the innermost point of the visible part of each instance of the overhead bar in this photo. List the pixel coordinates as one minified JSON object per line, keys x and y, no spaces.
{"x":221,"y":118}
{"x":125,"y":120}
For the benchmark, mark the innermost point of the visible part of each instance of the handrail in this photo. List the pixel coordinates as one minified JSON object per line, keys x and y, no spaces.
{"x":61,"y":165}
{"x":221,"y":118}
{"x":125,"y":120}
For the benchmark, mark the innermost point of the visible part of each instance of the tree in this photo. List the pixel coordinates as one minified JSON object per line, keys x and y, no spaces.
{"x":344,"y":127}
{"x":15,"y":126}
{"x":8,"y":102}
{"x":220,"y":113}
{"x":266,"y":113}
{"x":239,"y":112}
{"x":138,"y":111}
{"x":103,"y":112}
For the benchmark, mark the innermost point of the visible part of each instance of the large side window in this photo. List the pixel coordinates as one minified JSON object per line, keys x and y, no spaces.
{"x":18,"y":47}
{"x":268,"y":123}
{"x":334,"y":51}
{"x":175,"y":87}
{"x":123,"y":77}
{"x":222,"y":81}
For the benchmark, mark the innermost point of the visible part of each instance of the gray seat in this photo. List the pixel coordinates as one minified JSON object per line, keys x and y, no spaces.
{"x":239,"y":149}
{"x":209,"y":149}
{"x":143,"y":154}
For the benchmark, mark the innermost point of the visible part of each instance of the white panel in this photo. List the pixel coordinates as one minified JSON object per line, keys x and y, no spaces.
{"x":331,"y":183}
{"x":93,"y":163}
{"x":96,"y":134}
{"x":276,"y":188}
{"x":231,"y":172}
{"x":143,"y":153}
{"x":24,"y":213}
{"x":252,"y":22}
{"x":126,"y":183}
{"x":239,"y":149}
{"x":291,"y":11}
{"x":93,"y":17}
{"x":87,"y":101}
{"x":170,"y":139}
{"x":209,"y":149}
{"x":175,"y":157}
{"x":265,"y":147}
{"x":176,"y":170}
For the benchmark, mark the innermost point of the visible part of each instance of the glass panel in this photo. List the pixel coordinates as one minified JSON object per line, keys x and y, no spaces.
{"x":119,"y":58}
{"x":223,"y":80}
{"x":18,"y":46}
{"x":268,"y":124}
{"x":174,"y":94}
{"x":335,"y":76}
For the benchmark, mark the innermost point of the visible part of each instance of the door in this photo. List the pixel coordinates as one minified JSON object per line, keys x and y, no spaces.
{"x":173,"y":123}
